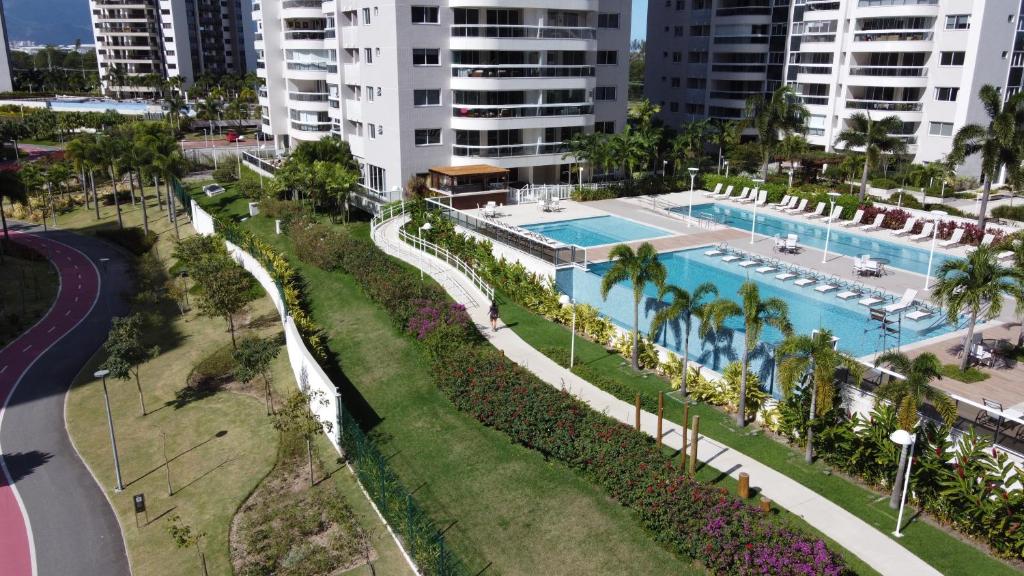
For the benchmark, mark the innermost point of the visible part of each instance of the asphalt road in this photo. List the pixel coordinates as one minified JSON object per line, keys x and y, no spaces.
{"x":70,"y":522}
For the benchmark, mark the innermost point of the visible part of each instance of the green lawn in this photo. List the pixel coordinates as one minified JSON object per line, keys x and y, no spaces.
{"x":945,"y":552}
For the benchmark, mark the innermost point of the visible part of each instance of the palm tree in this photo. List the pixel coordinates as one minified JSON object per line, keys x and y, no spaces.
{"x":874,"y":137}
{"x":638,"y":268}
{"x":1017,"y":246}
{"x":999,"y":143}
{"x":689,"y":143}
{"x":909,"y":395}
{"x":82,"y":152}
{"x":725,"y":134}
{"x":792,"y":147}
{"x":976,"y":285}
{"x":783,"y":113}
{"x":816,"y":359}
{"x":109,"y":152}
{"x":757,"y":314}
{"x":583,"y":147}
{"x":683,"y":307}
{"x":209,"y":110}
{"x":12,"y":189}
{"x":336,"y":181}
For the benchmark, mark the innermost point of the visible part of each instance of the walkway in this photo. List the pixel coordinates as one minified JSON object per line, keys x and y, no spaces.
{"x":879,"y":550}
{"x":55,"y":519}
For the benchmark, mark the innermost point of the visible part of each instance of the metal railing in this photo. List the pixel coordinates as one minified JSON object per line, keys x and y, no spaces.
{"x":520,"y":111}
{"x":901,"y":71}
{"x":509,"y":150}
{"x":883,"y":105}
{"x":521,"y":71}
{"x":525,"y":32}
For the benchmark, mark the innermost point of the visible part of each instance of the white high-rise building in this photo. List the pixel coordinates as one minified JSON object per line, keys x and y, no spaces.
{"x":6,"y":85}
{"x":184,"y":38}
{"x":921,"y":60}
{"x":462,"y":85}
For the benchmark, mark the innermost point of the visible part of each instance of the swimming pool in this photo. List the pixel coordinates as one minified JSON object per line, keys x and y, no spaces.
{"x":595,"y":231}
{"x":808,"y":310}
{"x":903,"y":256}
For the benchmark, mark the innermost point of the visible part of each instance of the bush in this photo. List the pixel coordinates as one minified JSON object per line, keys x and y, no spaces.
{"x":284,"y":210}
{"x":213,"y":369}
{"x":135,"y":240}
{"x":226,"y":173}
{"x":884,"y":183}
{"x":250,"y":187}
{"x":317,"y":244}
{"x":1009,"y":212}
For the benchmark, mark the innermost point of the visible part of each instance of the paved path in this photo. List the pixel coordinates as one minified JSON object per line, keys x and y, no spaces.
{"x":54,"y":518}
{"x":881,"y":551}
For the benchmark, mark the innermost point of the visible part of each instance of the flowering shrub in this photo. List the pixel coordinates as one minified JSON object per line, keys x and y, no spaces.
{"x":442,"y":327}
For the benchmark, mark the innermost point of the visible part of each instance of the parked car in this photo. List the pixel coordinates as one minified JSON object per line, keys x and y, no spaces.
{"x":235,"y":136}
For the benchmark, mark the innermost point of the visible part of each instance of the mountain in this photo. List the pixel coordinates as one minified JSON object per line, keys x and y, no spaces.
{"x":48,"y":21}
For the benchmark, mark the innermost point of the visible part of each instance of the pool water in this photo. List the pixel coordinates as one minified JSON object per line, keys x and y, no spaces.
{"x":903,"y":256}
{"x":808,"y":310}
{"x":596,"y":231}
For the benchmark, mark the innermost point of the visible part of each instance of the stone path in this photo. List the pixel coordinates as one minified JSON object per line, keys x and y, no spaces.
{"x":879,"y":550}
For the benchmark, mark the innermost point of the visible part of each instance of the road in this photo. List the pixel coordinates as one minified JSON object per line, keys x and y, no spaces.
{"x":55,"y":518}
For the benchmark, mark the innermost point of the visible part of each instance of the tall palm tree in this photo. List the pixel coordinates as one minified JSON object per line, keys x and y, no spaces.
{"x":1017,"y":246}
{"x":638,"y":268}
{"x":582,"y":148}
{"x":999,"y":143}
{"x":909,"y":396}
{"x":875,"y":138}
{"x":689,"y":143}
{"x":681,"y":310}
{"x":725,"y":134}
{"x":793,"y":147}
{"x":773,"y":118}
{"x":109,"y":151}
{"x":208,"y":109}
{"x":82,"y":153}
{"x":814,"y":359}
{"x":12,"y":189}
{"x":975,"y":285}
{"x":757,"y":315}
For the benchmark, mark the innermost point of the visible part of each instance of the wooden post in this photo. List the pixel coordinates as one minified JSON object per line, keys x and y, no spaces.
{"x":661,"y":413}
{"x":694,"y":431}
{"x":744,"y":488}
{"x":766,"y":505}
{"x":682,"y":451}
{"x":637,"y":426}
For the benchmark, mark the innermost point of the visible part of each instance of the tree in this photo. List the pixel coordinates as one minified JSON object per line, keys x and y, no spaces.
{"x":975,"y":285}
{"x":109,"y":150}
{"x":999,"y":143}
{"x":296,"y":417}
{"x":909,"y":394}
{"x":583,"y":148}
{"x":83,"y":153}
{"x":208,"y":109}
{"x":757,"y":314}
{"x":781,"y":114}
{"x":875,"y":138}
{"x":184,"y":537}
{"x":689,"y":144}
{"x":725,"y":134}
{"x":224,"y":289}
{"x":793,"y":147}
{"x":638,"y":268}
{"x":12,"y":189}
{"x":126,"y":353}
{"x":336,"y":181}
{"x":1016,"y":245}
{"x":814,"y":360}
{"x":680,"y":313}
{"x":253,"y":356}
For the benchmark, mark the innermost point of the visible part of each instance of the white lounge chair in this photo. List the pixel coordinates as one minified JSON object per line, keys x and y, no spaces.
{"x":987,"y":239}
{"x":787,"y":204}
{"x":1004,"y":255}
{"x":804,"y":282}
{"x":926,"y":232}
{"x":919,"y":314}
{"x":836,"y":213}
{"x":847,"y":294}
{"x":955,"y":239}
{"x":911,"y":222}
{"x":867,"y":266}
{"x":762,"y":197}
{"x":748,"y":263}
{"x":730,"y":258}
{"x":713,"y":193}
{"x":725,"y":193}
{"x":799,"y":207}
{"x":824,"y":288}
{"x":785,"y":276}
{"x":780,"y":244}
{"x":819,"y":211}
{"x":869,"y":301}
{"x":905,"y":302}
{"x":874,"y":225}
{"x":765,"y":269}
{"x":542,"y":205}
{"x":857,"y":217}
{"x":783,"y":202}
{"x":490,"y":210}
{"x":556,"y":205}
{"x":792,"y":243}
{"x":743,"y":194}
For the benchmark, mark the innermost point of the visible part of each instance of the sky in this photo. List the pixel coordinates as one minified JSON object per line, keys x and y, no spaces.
{"x":639,"y":19}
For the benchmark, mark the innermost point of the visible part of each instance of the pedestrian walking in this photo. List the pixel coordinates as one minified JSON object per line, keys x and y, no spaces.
{"x":494,"y":315}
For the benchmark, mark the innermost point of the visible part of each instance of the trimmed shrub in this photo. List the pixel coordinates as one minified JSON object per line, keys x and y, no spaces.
{"x":1009,"y":212}
{"x":226,"y":173}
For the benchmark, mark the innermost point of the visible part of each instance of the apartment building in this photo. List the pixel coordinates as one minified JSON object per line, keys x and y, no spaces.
{"x":922,"y":60}
{"x":421,"y":84}
{"x":6,"y":85}
{"x":184,"y":38}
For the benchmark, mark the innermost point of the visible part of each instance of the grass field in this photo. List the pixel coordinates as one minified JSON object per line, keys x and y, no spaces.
{"x":28,"y":290}
{"x":220,"y":446}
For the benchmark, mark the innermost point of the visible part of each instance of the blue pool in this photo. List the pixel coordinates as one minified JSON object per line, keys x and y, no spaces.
{"x":808,"y":311}
{"x":596,"y":231}
{"x":878,"y":244}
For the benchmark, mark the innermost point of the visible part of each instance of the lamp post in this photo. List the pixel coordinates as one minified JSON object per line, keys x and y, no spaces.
{"x":942,"y":193}
{"x":726,"y":164}
{"x":238,"y":156}
{"x":753,"y":218}
{"x":828,"y":230}
{"x":664,"y":168}
{"x":906,"y":440}
{"x":689,"y":213}
{"x":565,"y":300}
{"x":899,"y":201}
{"x":262,"y":146}
{"x":936,"y":214}
{"x":790,"y":171}
{"x":102,"y":374}
{"x":426,"y":226}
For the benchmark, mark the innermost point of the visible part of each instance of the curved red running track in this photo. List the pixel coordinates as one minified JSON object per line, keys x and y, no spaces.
{"x":79,"y":290}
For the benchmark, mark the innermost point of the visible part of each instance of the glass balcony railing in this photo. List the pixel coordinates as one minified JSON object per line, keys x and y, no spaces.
{"x":301,"y":4}
{"x":893,"y":36}
{"x":304,"y":35}
{"x":520,"y":71}
{"x":475,"y":111}
{"x":888,"y":71}
{"x":883,"y":105}
{"x":526,"y":32}
{"x":510,"y":150}
{"x":307,"y":96}
{"x":308,"y":66}
{"x":311,"y":126}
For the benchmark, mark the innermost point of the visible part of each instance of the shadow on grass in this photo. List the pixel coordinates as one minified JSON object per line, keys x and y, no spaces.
{"x":219,"y":434}
{"x":205,"y":474}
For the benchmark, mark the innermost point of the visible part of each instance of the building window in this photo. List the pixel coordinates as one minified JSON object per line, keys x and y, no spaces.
{"x":946,"y":94}
{"x":951,"y":59}
{"x":604,"y":93}
{"x":958,"y":21}
{"x":675,"y":82}
{"x":696,"y":83}
{"x":425,"y":15}
{"x":940,"y":128}
{"x":677,"y":57}
{"x":700,"y":30}
{"x":607,"y":57}
{"x":366,"y":16}
{"x":608,"y":20}
{"x":374,"y":177}
{"x":607,"y":127}
{"x":426,"y":57}
{"x":673,"y":106}
{"x":426,"y":97}
{"x":368,"y":55}
{"x":428,"y":137}
{"x":700,"y":57}
{"x":369,"y":93}
{"x":371,"y":129}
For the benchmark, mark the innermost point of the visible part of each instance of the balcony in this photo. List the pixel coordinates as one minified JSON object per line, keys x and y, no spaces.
{"x":301,"y":4}
{"x":523,"y":111}
{"x":307,"y":96}
{"x":304,"y":35}
{"x":308,"y":66}
{"x":883,"y":105}
{"x":510,"y":150}
{"x":524,"y":32}
{"x":311,"y":126}
{"x":893,"y":36}
{"x":520,"y":71}
{"x":900,"y":71}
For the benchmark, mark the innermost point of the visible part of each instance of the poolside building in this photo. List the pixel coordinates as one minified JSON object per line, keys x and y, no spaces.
{"x":922,"y":60}
{"x":6,"y":84}
{"x":415,"y":88}
{"x":185,"y":38}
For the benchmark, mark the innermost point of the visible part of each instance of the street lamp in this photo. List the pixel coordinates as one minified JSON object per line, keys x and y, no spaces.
{"x":664,"y":168}
{"x":753,"y":219}
{"x":936,"y":214}
{"x":689,"y":213}
{"x":565,"y":300}
{"x":426,"y":226}
{"x":102,"y":374}
{"x":262,"y":146}
{"x":899,"y":202}
{"x":906,"y":440}
{"x":790,"y":178}
{"x":828,"y":230}
{"x":942,"y":193}
{"x":726,"y":164}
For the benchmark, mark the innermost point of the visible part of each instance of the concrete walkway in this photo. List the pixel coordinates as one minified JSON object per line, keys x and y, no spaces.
{"x":879,"y":550}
